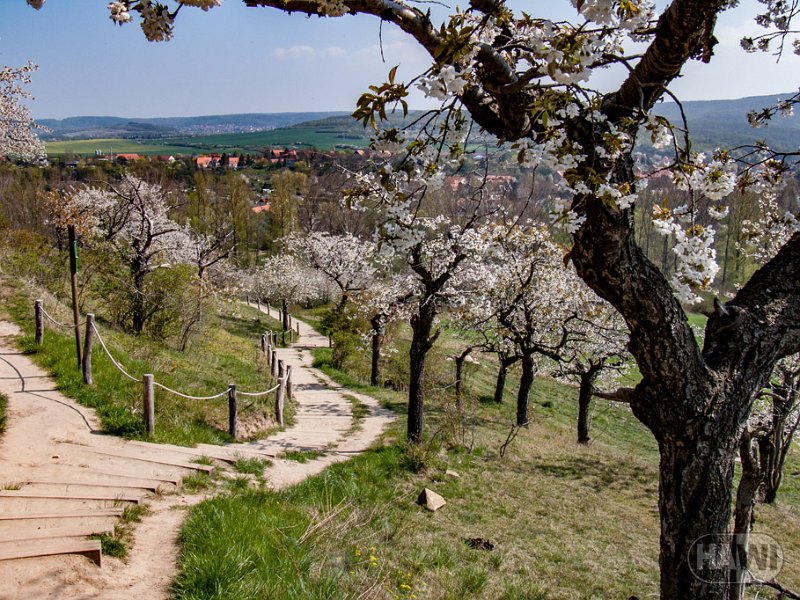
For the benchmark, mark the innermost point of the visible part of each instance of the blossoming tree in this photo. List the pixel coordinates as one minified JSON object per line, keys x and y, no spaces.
{"x":17,"y":136}
{"x":524,"y":79}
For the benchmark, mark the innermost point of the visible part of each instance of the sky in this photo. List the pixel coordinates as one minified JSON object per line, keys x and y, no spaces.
{"x":235,"y":59}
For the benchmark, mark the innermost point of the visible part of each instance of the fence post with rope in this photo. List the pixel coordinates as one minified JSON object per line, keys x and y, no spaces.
{"x":281,"y":395}
{"x":39,"y":312}
{"x":149,"y":404}
{"x":87,"y":350}
{"x":233,"y":412}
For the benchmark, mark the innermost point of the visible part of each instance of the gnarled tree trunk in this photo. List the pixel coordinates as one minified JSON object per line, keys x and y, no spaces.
{"x":525,"y":384}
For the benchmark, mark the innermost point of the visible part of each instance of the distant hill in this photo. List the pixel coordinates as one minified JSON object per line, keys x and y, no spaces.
{"x":723,"y":123}
{"x":714,"y":124}
{"x":81,"y":128}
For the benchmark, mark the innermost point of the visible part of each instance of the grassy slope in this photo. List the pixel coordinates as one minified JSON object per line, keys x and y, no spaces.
{"x":566,"y":521}
{"x":227,"y":351}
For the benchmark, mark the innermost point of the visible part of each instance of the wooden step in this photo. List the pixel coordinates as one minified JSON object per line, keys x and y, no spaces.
{"x":83,"y":530}
{"x":181,"y":453}
{"x":128,"y":455}
{"x":52,"y":484}
{"x":52,"y":547}
{"x":13,"y":529}
{"x":77,"y":495}
{"x":242,"y":449}
{"x":229,"y":454}
{"x":74,"y":514}
{"x":84,"y":474}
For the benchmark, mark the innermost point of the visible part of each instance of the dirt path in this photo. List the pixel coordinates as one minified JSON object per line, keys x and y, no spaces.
{"x":62,"y":478}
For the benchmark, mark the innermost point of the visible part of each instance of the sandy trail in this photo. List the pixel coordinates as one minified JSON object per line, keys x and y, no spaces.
{"x":51,"y":440}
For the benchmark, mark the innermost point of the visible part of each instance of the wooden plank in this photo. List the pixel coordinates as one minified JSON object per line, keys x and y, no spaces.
{"x":66,"y":496}
{"x":52,"y":547}
{"x":147,"y":487}
{"x":74,"y":514}
{"x":56,"y":532}
{"x":124,"y":454}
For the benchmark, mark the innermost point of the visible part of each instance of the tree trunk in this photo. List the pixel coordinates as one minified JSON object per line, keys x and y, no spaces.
{"x":500,"y":386}
{"x":285,"y":306}
{"x":694,"y":499}
{"x":584,"y":401}
{"x":525,"y":384}
{"x":421,"y":342}
{"x":502,"y":372}
{"x":378,"y":331}
{"x":138,"y":307}
{"x":746,"y":497}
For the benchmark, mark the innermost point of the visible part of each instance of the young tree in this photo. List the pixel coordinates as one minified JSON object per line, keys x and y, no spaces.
{"x":594,"y":354}
{"x":383,"y":302}
{"x":133,"y":217}
{"x":522,"y":79}
{"x":346,"y":260}
{"x":532,"y":300}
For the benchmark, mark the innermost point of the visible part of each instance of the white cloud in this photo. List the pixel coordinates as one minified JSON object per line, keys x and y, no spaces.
{"x":295,"y":53}
{"x":308,"y":53}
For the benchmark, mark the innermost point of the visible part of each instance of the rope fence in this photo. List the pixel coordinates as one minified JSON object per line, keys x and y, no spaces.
{"x":268,"y":343}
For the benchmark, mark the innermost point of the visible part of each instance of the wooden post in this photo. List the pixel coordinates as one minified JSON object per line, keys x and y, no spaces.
{"x":298,"y":328}
{"x":149,"y":404}
{"x":274,"y":363}
{"x":330,"y":342}
{"x":264,"y":343}
{"x":232,"y":410}
{"x":39,"y":312}
{"x":279,"y":397}
{"x":73,"y":269}
{"x":289,"y":381}
{"x":87,"y":350}
{"x":290,"y":321}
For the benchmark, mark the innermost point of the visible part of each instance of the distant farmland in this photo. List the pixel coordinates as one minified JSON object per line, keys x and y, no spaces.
{"x":297,"y":137}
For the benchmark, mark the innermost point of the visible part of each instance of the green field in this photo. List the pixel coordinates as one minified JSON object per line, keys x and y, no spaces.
{"x":318,"y":137}
{"x":116,"y":145}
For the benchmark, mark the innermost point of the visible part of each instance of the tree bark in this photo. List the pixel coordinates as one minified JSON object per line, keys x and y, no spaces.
{"x":378,"y":332}
{"x":584,"y":401}
{"x":502,"y":372}
{"x":137,"y":304}
{"x":525,"y":384}
{"x":694,"y":501}
{"x":746,"y":496}
{"x":421,"y":342}
{"x":285,"y":306}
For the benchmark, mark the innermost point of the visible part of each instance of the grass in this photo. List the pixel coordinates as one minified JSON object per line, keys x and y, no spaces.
{"x":228,"y":351}
{"x":119,"y":542}
{"x":566,"y":521}
{"x":251,"y":466}
{"x":302,"y":456}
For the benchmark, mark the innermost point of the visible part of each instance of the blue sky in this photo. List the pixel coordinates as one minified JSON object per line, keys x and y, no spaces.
{"x":237,"y":59}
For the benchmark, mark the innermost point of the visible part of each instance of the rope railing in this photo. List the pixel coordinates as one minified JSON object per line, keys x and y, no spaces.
{"x":258,"y":394}
{"x":111,"y":358}
{"x":60,"y":324}
{"x":283,"y":375}
{"x":187,"y":396}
